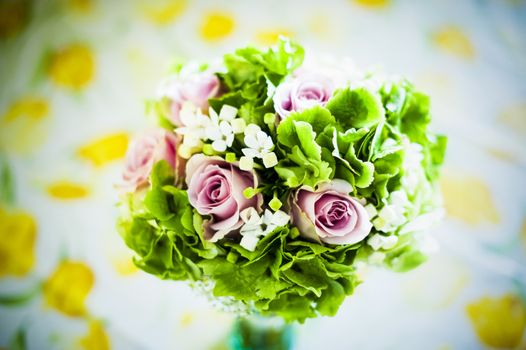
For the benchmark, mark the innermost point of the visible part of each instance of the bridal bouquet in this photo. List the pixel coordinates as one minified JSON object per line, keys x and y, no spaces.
{"x":270,"y":181}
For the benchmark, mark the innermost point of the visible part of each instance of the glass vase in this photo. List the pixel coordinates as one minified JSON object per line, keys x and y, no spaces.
{"x":257,"y":332}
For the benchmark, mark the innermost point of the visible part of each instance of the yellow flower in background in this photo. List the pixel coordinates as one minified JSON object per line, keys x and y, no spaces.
{"x":80,"y":6}
{"x":106,"y":149}
{"x":498,"y":322}
{"x":163,"y":12}
{"x":67,"y":190}
{"x":271,"y":36}
{"x":13,"y":17}
{"x":453,"y":40}
{"x":67,"y":288}
{"x":217,"y":25}
{"x":22,"y":127}
{"x":187,"y":319}
{"x":125,"y":266}
{"x":18,"y":233}
{"x":96,"y":339}
{"x":373,"y":3}
{"x":29,"y":107}
{"x":468,"y":198}
{"x":72,"y":67}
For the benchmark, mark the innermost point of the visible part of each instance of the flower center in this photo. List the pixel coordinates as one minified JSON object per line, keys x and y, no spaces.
{"x":216,"y":189}
{"x":333,"y":212}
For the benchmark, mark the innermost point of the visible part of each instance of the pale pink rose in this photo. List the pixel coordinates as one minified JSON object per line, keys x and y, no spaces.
{"x":302,"y":92}
{"x":146,"y":150}
{"x":329,"y":214}
{"x":215,"y":188}
{"x":196,"y":88}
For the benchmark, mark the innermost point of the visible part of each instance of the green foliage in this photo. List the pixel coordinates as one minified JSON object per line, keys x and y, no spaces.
{"x":164,"y":235}
{"x":283,"y":270}
{"x":362,"y":136}
{"x":250,"y":73}
{"x":7,"y":191}
{"x":358,"y":108}
{"x":286,"y":276}
{"x":303,"y":162}
{"x":408,"y":112}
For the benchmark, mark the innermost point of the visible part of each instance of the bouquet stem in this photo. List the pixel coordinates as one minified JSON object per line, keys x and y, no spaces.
{"x":261,"y":333}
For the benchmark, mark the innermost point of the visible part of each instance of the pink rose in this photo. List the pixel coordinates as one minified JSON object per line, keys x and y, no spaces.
{"x":215,"y":188}
{"x":302,"y":92}
{"x":144,"y":151}
{"x":196,"y":88}
{"x":329,"y":214}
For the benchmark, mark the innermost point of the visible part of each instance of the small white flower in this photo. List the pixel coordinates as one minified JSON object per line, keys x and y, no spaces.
{"x":393,"y":214}
{"x":221,"y":135}
{"x":252,"y":228}
{"x":194,"y":121}
{"x":249,"y":242}
{"x":252,"y":129}
{"x":399,"y":199}
{"x":271,"y":89}
{"x":194,"y":130}
{"x":255,"y":226}
{"x":259,"y":145}
{"x":270,"y":160}
{"x":378,"y":241}
{"x":220,"y":130}
{"x":276,"y":219}
{"x":413,"y":172}
{"x":371,"y":210}
{"x":423,"y":222}
{"x":246,"y":163}
{"x":250,"y":217}
{"x":238,"y":125}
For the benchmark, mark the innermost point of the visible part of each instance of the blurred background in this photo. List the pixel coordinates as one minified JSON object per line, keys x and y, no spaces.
{"x":74,"y":75}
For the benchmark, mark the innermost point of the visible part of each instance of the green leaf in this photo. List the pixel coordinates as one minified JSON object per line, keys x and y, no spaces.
{"x":240,"y":70}
{"x":138,"y":234}
{"x":303,"y":163}
{"x":162,"y":174}
{"x":18,"y":342}
{"x":348,"y":166}
{"x":156,"y":201}
{"x":21,"y":298}
{"x":291,"y":306}
{"x":318,"y":117}
{"x":309,"y":274}
{"x":242,"y":281}
{"x":406,"y":261}
{"x":331,"y":299}
{"x":234,"y":99}
{"x":300,"y":170}
{"x":356,"y":108}
{"x":7,"y":188}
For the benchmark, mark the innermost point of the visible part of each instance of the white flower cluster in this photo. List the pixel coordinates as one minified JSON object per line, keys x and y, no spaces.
{"x":259,"y":145}
{"x":392,"y":215}
{"x":256,"y":226}
{"x":221,"y":129}
{"x":413,"y":171}
{"x":198,"y":127}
